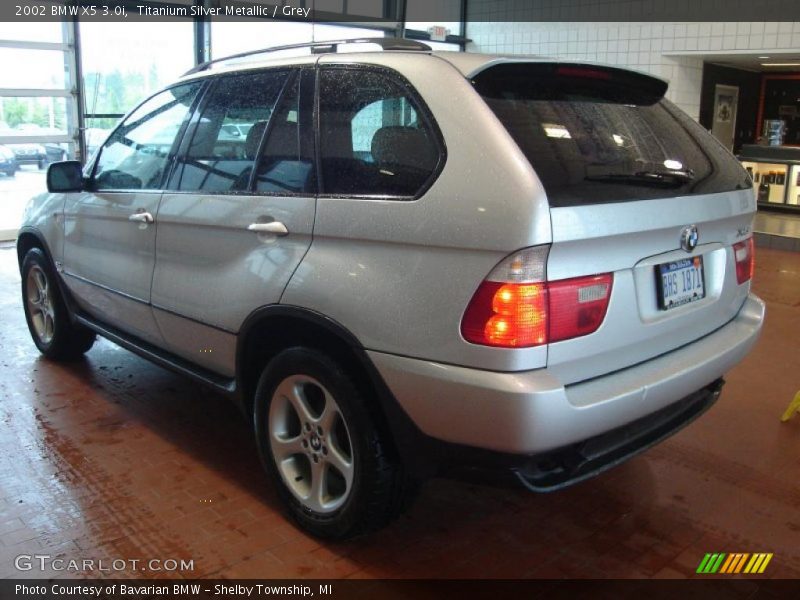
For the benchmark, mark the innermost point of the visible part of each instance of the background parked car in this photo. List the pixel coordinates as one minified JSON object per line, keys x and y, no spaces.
{"x":27,"y":154}
{"x":54,"y":153}
{"x":36,"y":153}
{"x":8,"y":163}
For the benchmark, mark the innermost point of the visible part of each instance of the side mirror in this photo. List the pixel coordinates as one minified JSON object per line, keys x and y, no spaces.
{"x":65,"y":176}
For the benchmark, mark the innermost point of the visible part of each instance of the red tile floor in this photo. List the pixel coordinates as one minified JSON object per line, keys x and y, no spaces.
{"x":114,"y":458}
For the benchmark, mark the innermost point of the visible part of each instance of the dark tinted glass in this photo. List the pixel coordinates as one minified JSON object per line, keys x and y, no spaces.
{"x":372,"y":137}
{"x":227,"y":136}
{"x":601,"y":135}
{"x":286,"y":164}
{"x":136,"y":155}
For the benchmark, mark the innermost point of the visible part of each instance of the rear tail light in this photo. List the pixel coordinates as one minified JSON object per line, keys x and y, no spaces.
{"x":578,"y":306}
{"x":744,"y":255}
{"x":515,"y":307}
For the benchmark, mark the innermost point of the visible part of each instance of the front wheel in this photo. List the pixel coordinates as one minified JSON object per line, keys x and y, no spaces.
{"x":318,"y":441}
{"x":46,"y":312}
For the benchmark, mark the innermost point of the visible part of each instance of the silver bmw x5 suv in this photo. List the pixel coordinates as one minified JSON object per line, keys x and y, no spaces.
{"x":406,"y":261}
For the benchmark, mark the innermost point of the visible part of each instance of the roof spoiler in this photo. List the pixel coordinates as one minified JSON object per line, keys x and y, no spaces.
{"x":568,"y":80}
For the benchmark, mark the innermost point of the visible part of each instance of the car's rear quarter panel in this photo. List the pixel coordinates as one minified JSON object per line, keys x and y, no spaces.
{"x":399,"y":273}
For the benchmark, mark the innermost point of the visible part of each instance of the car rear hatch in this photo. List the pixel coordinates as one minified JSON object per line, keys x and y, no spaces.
{"x":636,"y":189}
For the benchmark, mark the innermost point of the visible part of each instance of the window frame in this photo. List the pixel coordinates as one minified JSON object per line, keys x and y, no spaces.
{"x":423,"y":113}
{"x":299,"y":74}
{"x":91,"y":170}
{"x":292,"y":72}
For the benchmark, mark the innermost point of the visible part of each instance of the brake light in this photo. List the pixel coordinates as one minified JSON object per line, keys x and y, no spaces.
{"x":744,"y":255}
{"x":515,"y":308}
{"x":582,"y":72}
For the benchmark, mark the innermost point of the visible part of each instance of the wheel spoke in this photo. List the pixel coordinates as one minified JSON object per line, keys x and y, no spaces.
{"x":329,"y":414}
{"x":319,"y":474}
{"x":292,"y":392}
{"x":338,"y":461}
{"x":41,"y":283}
{"x":283,"y":448}
{"x":48,"y":326}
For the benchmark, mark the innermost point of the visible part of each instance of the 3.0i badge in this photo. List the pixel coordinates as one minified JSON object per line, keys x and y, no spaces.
{"x":689,"y":238}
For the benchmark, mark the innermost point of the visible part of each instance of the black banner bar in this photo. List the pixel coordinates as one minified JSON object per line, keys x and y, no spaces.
{"x":383,"y":12}
{"x":110,"y":589}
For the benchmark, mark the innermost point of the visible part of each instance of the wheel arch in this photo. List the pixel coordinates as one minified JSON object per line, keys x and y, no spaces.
{"x":29,"y":238}
{"x":271,"y":329}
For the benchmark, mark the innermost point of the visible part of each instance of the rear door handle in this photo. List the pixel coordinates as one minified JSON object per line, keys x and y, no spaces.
{"x":273,"y":227}
{"x":141,"y":217}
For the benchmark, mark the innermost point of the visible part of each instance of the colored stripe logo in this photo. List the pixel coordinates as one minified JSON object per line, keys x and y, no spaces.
{"x":735,"y":562}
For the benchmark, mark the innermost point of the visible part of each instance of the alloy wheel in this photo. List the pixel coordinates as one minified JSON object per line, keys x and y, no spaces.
{"x":40,"y":304}
{"x":311,"y":444}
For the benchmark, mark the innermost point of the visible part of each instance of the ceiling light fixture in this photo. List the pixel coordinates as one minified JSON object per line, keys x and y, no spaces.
{"x":788,"y":64}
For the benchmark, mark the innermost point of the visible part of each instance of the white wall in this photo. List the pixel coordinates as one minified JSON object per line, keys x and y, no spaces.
{"x":637,"y":45}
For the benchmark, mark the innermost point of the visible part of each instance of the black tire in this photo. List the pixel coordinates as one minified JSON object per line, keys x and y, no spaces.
{"x":377,"y":491}
{"x":46,"y":313}
{"x":40,"y":163}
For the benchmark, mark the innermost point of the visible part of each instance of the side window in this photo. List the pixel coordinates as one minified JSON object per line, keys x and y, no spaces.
{"x":137,"y":153}
{"x":227,"y":136}
{"x":371,"y":118}
{"x":372,"y":139}
{"x":286,"y":164}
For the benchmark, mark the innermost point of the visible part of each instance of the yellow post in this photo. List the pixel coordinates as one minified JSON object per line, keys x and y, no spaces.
{"x":794,"y":406}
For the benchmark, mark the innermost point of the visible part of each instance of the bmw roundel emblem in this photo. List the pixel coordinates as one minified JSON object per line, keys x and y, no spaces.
{"x":689,"y":238}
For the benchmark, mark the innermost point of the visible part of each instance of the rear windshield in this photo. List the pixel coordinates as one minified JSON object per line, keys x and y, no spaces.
{"x":596,"y":134}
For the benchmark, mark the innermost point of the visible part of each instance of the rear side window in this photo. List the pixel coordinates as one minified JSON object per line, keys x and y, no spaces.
{"x":374,"y":140}
{"x":227,"y":136}
{"x":596,"y":134}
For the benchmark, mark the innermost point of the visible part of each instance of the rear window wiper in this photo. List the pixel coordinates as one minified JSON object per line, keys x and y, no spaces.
{"x":659,"y":177}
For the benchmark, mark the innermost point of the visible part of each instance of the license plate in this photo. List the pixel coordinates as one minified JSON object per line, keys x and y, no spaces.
{"x":680,"y":282}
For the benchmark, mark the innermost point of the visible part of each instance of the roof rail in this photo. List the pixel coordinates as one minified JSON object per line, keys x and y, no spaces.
{"x":386,"y":43}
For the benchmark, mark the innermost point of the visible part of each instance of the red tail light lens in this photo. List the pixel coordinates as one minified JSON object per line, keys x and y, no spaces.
{"x":744,"y":255}
{"x":518,"y":315}
{"x":578,"y":306}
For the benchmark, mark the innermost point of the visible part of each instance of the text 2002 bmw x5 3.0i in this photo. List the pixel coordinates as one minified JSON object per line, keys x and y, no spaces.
{"x":409,"y":260}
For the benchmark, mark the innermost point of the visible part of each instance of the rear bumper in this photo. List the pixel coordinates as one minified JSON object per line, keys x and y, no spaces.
{"x":576,"y":462}
{"x":532,"y":413}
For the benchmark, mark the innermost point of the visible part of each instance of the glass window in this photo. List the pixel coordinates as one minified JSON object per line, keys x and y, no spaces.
{"x":601,"y":135}
{"x":372,"y":140}
{"x":137,"y":153}
{"x":34,"y":130}
{"x":33,"y":69}
{"x":33,"y":116}
{"x":155,"y":55}
{"x":32,"y":31}
{"x":226,"y":139}
{"x":286,"y":164}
